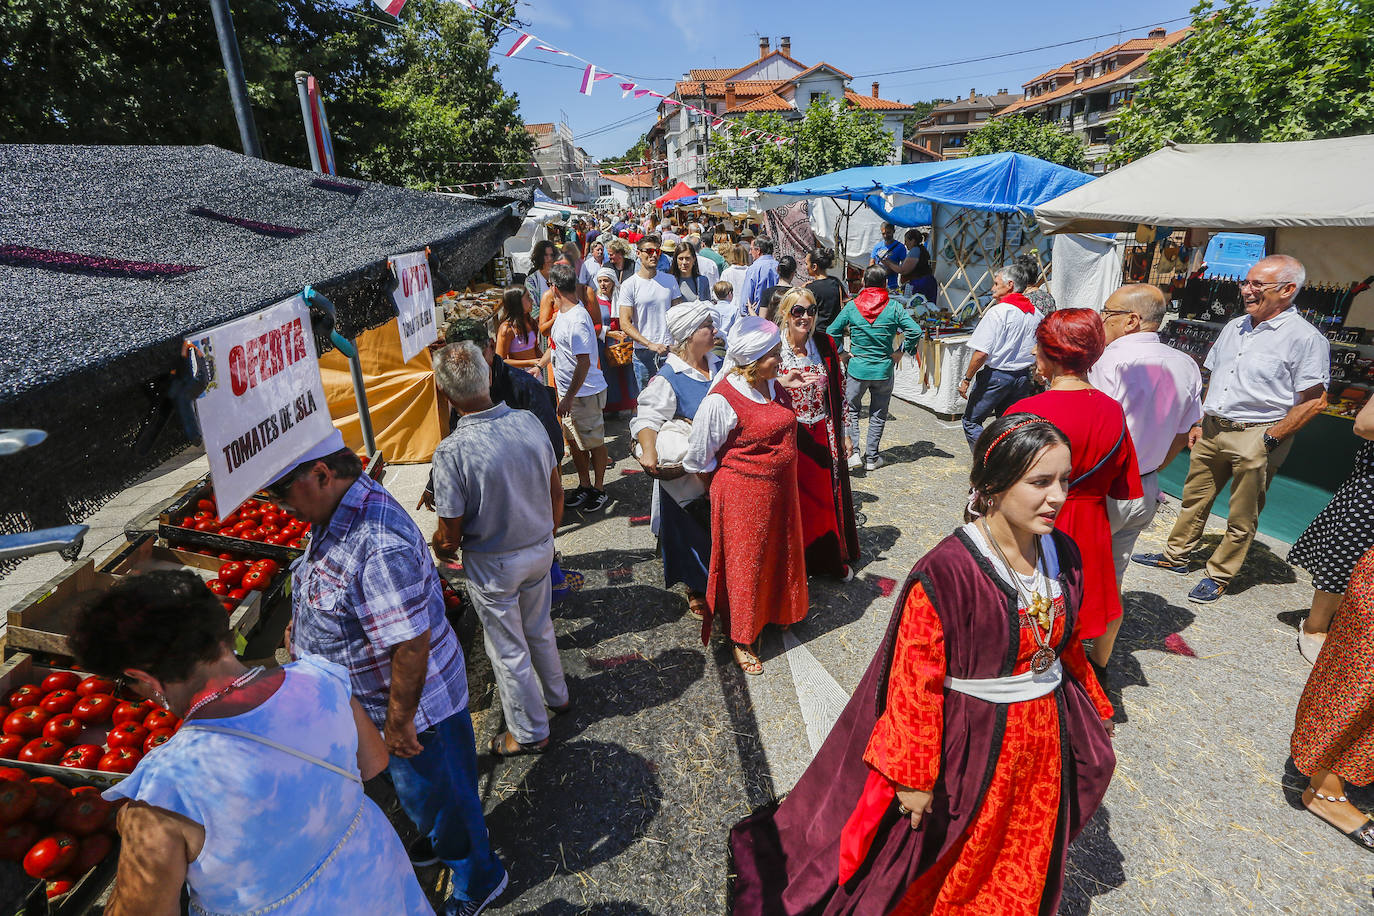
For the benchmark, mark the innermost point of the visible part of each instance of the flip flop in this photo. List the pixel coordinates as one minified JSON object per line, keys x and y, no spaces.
{"x":748,"y":662}
{"x":498,"y":748}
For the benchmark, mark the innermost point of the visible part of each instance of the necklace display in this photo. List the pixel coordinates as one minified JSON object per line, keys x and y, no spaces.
{"x":236,"y":683}
{"x":1039,"y":608}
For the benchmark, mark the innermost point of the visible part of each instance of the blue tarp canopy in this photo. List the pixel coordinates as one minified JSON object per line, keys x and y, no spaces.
{"x":902,"y":194}
{"x":541,"y":198}
{"x":690,"y":200}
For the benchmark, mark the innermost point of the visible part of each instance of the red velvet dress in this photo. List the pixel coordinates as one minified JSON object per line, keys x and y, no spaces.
{"x":758,"y":569}
{"x":1093,"y":421}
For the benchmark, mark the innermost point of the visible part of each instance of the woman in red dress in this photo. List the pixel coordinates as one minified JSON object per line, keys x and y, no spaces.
{"x":977,"y":745}
{"x":744,"y":444}
{"x":828,"y":528}
{"x":1068,"y":342}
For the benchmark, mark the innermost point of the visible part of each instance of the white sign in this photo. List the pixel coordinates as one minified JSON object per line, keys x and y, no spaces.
{"x":263,"y":404}
{"x":414,"y":297}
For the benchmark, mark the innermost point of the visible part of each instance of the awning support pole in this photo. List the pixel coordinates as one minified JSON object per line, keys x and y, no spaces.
{"x":355,"y":369}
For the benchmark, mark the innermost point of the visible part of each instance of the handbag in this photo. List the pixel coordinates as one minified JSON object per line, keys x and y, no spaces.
{"x":620,"y":354}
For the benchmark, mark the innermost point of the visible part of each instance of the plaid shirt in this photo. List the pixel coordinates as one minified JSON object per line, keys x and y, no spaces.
{"x":366,"y":585}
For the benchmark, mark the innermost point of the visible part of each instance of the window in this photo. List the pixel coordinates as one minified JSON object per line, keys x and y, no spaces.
{"x":1079,"y":75}
{"x":816,"y":97}
{"x":1121,"y":97}
{"x":980,"y":115}
{"x":1097,"y":69}
{"x":954,"y":140}
{"x":700,"y":149}
{"x":947,"y":119}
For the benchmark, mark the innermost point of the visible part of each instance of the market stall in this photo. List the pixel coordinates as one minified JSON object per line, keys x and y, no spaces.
{"x":676,"y":192}
{"x":1321,"y":220}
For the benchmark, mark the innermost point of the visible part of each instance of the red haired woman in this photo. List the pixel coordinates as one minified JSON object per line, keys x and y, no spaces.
{"x":1067,"y":343}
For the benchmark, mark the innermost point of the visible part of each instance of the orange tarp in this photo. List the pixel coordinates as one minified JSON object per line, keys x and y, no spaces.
{"x":400,"y":395}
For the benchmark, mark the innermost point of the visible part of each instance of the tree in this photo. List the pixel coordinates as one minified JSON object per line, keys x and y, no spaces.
{"x":1032,"y":136}
{"x":919,"y":112}
{"x":631,"y":157}
{"x":1298,"y":70}
{"x":828,"y":138}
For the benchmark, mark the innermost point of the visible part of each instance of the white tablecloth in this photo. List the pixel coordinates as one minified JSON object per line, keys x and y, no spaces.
{"x":937,"y":392}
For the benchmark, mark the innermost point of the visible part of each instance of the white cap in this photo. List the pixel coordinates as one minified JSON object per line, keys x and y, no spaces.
{"x":330,"y":444}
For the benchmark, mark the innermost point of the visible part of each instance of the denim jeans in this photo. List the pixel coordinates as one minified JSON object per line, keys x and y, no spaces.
{"x":438,"y":790}
{"x":647,"y":363}
{"x":879,"y":397}
{"x":992,"y":392}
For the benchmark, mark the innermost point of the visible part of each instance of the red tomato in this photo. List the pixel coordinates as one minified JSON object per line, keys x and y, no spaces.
{"x":128,"y":734}
{"x":28,"y":722}
{"x":237,"y":594}
{"x":299,"y":543}
{"x":205,"y":505}
{"x":268,"y":566}
{"x":59,"y":701}
{"x":82,"y":756}
{"x":253,"y":534}
{"x":217,"y":587}
{"x":64,"y":728}
{"x":16,"y":839}
{"x":206,"y":513}
{"x":61,"y":680}
{"x":28,"y":695}
{"x":207,"y":524}
{"x":43,"y":750}
{"x":232,"y":573}
{"x":52,"y":797}
{"x":256,"y":580}
{"x":132,"y":711}
{"x":86,"y":790}
{"x":95,"y":708}
{"x":16,"y":798}
{"x":244,"y":524}
{"x":278,"y":537}
{"x":51,"y":856}
{"x":230,"y":606}
{"x":119,"y":760}
{"x":57,"y":887}
{"x":157,"y":737}
{"x":13,"y":774}
{"x":83,"y":814}
{"x":95,"y":685}
{"x":226,"y":556}
{"x":94,"y":849}
{"x":10,"y":745}
{"x":161,"y":718}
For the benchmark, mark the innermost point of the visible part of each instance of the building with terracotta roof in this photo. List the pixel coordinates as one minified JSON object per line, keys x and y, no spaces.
{"x":1085,"y":96}
{"x":775,"y":82}
{"x":627,"y":190}
{"x":945,"y":130}
{"x":563,"y":168}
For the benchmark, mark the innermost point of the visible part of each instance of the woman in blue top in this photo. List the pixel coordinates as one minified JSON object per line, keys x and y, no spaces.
{"x":257,"y":803}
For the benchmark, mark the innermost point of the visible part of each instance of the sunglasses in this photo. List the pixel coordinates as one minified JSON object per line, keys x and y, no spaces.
{"x":649,"y":251}
{"x":799,"y":310}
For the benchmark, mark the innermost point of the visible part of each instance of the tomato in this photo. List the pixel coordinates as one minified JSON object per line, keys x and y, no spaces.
{"x":28,"y":722}
{"x":95,"y":685}
{"x":226,"y":556}
{"x":13,"y":774}
{"x":60,"y":680}
{"x":64,"y":728}
{"x":279,"y":537}
{"x":255,"y":534}
{"x":42,"y":750}
{"x":256,"y":580}
{"x":51,"y":856}
{"x":157,"y":737}
{"x":112,"y":822}
{"x":119,"y":760}
{"x":10,"y":746}
{"x":231,"y":573}
{"x":85,"y":790}
{"x":244,"y":524}
{"x":127,"y":734}
{"x":237,"y":594}
{"x":16,"y":798}
{"x":217,"y":587}
{"x":205,"y":505}
{"x":95,"y":709}
{"x":16,"y":839}
{"x":230,"y":606}
{"x":52,"y":797}
{"x":28,"y":695}
{"x":58,"y":886}
{"x":205,"y":513}
{"x":94,"y":849}
{"x":82,"y":756}
{"x":299,"y":543}
{"x":161,"y":718}
{"x":207,"y":524}
{"x":268,"y":568}
{"x":59,"y":701}
{"x":83,"y":814}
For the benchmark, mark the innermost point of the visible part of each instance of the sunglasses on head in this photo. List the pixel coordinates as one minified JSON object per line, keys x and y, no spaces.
{"x":800,"y":310}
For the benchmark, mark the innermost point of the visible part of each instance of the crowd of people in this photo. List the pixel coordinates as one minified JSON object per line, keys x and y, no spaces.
{"x":979,"y":742}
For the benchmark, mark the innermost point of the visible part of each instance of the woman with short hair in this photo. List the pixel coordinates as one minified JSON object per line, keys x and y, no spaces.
{"x":257,"y":803}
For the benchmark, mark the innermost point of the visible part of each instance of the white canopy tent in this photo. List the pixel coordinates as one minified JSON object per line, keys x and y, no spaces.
{"x":1315,"y":195}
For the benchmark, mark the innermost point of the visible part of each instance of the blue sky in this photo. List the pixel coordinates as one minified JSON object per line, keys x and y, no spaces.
{"x":663,"y":41}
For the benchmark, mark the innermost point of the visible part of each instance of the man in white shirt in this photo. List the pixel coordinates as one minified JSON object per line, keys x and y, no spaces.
{"x":581,"y":391}
{"x":998,"y":374}
{"x":1269,"y":372}
{"x":644,"y":302}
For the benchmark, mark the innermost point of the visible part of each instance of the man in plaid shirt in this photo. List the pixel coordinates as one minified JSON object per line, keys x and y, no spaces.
{"x":366,"y":596}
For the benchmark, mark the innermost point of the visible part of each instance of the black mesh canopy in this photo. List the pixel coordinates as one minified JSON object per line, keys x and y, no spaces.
{"x":109,"y":255}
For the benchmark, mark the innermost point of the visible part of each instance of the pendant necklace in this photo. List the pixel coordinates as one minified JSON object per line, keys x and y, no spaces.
{"x":1039,"y":609}
{"x":232,"y":685}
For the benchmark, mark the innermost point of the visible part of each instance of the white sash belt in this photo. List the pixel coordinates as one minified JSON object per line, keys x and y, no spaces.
{"x":1015,"y":689}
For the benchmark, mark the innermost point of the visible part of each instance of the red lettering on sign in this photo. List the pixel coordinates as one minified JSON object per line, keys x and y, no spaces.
{"x":238,"y":371}
{"x":260,"y":358}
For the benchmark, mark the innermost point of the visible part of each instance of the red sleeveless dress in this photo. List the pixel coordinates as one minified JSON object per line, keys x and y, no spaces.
{"x":758,"y":564}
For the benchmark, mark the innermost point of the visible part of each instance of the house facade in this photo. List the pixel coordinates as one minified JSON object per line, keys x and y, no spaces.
{"x":774,"y":82}
{"x":556,"y":160}
{"x":946,"y":129}
{"x":1084,"y":96}
{"x":631,"y":190}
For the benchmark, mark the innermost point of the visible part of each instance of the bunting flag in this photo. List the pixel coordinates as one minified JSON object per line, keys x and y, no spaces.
{"x":520,"y":44}
{"x":626,"y":89}
{"x":391,"y":7}
{"x":588,"y":78}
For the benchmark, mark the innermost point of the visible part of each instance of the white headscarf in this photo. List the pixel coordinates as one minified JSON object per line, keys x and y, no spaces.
{"x":684,"y":319}
{"x":751,"y":338}
{"x":607,"y":272}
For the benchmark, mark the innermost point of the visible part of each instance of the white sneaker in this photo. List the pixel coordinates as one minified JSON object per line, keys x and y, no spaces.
{"x":855,"y":460}
{"x":872,"y":464}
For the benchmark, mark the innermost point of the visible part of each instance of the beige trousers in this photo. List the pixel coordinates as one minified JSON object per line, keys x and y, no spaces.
{"x":1225,"y":453}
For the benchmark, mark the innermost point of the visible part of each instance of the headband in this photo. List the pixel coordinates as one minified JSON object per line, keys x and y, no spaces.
{"x":1008,"y":433}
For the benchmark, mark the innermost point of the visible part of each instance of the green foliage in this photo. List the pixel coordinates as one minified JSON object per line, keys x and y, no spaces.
{"x":1297,"y":70}
{"x":1032,"y":136}
{"x":920,"y":111}
{"x":149,"y":71}
{"x":829,"y":138}
{"x":632,"y":156}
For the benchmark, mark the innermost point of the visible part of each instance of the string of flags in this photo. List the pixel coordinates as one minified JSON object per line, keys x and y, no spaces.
{"x":593,"y":74}
{"x":609,"y":169}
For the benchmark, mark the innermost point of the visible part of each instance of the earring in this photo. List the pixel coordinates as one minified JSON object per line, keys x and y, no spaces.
{"x":161,"y":700}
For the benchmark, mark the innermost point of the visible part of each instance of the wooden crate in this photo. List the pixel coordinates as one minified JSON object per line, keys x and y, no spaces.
{"x":20,"y":669}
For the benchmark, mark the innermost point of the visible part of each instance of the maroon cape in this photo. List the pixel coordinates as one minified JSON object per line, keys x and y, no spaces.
{"x":785,"y":858}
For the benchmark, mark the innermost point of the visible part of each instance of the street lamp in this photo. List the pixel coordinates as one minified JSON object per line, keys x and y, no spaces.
{"x":795,"y":116}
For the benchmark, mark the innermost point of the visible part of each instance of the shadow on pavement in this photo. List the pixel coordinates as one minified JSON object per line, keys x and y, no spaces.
{"x":915,"y":451}
{"x":1150,"y":623}
{"x":568,"y":908}
{"x":758,"y":777}
{"x":1294,"y":783}
{"x":613,"y":611}
{"x":1262,"y":566}
{"x":627,"y":685}
{"x":1095,"y":866}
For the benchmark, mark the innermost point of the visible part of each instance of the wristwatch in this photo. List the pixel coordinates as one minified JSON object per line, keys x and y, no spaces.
{"x":1270,"y":443}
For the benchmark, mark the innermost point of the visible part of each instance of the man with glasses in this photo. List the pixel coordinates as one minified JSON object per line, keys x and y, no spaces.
{"x":1269,"y":372}
{"x":644,"y":302}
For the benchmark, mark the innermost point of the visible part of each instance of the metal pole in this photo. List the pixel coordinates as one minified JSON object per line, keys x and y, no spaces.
{"x":233,"y":69}
{"x":355,"y":369}
{"x":316,"y":163}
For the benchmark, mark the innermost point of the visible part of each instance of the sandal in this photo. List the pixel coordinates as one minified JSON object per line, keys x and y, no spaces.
{"x":748,"y":662}
{"x":1362,"y":836}
{"x":697,"y":607}
{"x":499,"y":747}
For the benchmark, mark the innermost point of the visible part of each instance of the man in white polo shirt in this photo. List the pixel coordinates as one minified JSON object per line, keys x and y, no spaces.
{"x":644,"y":302}
{"x":1160,"y":391}
{"x":1270,"y":369}
{"x":998,"y":374}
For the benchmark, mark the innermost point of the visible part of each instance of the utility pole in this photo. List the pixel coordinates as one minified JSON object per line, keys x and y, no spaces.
{"x":706,"y":141}
{"x":233,"y":69}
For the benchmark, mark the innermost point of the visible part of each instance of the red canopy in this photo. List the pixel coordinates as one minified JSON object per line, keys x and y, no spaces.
{"x":678,"y":190}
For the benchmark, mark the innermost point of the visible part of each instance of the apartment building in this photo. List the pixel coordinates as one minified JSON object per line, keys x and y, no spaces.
{"x":564,"y":169}
{"x":946,"y":129}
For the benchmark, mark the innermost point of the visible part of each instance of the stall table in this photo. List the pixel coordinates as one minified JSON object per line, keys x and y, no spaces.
{"x":932,"y":381}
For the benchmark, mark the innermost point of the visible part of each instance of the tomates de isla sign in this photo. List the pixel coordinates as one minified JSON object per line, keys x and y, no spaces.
{"x":263,"y":403}
{"x":414,"y":298}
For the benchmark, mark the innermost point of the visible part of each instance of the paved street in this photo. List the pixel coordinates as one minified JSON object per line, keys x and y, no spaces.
{"x":669,"y":744}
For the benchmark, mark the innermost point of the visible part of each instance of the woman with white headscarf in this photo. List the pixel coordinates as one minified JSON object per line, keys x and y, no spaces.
{"x":667,"y":406}
{"x":620,"y":380}
{"x":744,"y":442}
